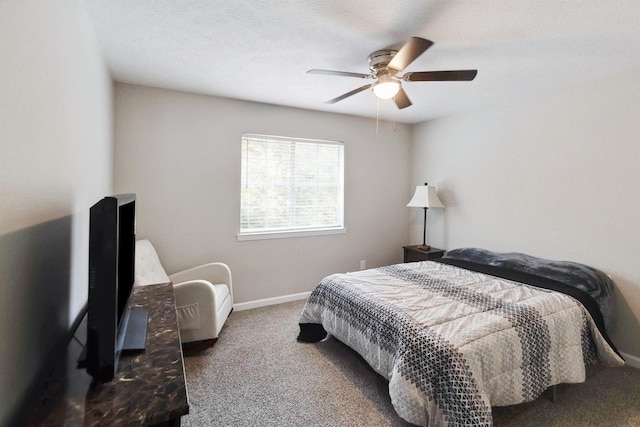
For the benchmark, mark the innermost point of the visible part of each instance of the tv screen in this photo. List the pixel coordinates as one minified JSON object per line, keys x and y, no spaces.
{"x":112,"y":242}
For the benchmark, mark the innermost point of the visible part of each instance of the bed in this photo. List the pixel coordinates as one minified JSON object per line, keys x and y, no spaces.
{"x":472,"y":330}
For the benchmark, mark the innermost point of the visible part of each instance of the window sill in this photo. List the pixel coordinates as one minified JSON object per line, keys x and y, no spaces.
{"x":264,"y":235}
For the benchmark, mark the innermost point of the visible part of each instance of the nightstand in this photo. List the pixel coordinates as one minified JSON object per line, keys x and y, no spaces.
{"x":413,"y":254}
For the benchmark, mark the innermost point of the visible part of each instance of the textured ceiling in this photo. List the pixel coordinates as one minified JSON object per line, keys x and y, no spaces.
{"x":260,"y":50}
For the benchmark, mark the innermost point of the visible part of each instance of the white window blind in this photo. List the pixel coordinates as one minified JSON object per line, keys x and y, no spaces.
{"x":290,"y":185}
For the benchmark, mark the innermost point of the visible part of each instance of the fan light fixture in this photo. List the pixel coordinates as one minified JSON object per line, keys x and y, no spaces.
{"x":386,"y":87}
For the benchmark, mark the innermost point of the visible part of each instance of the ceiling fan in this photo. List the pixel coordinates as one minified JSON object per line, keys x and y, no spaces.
{"x":385,"y":65}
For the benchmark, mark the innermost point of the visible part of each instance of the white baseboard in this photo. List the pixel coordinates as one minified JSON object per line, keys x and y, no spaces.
{"x":270,"y":301}
{"x":630,"y":360}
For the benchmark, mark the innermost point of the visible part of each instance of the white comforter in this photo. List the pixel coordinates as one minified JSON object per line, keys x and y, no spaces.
{"x":454,"y":342}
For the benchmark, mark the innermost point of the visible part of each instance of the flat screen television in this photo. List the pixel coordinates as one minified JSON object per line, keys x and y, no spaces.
{"x":111,"y":324}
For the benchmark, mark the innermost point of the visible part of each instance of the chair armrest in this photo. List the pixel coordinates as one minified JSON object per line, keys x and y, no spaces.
{"x":214,"y":273}
{"x":195,"y":291}
{"x":196,"y":309}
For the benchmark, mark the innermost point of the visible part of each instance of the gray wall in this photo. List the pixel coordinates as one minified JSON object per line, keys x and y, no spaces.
{"x":180,"y":153}
{"x":555,"y":176}
{"x":55,"y":161}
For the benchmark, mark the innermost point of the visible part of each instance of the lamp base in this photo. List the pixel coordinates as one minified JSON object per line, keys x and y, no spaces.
{"x":423,"y":247}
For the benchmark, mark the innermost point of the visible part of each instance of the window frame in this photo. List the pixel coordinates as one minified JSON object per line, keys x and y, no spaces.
{"x":293,"y":231}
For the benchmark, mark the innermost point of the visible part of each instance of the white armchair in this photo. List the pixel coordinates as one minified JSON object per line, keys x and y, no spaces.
{"x":204,"y":295}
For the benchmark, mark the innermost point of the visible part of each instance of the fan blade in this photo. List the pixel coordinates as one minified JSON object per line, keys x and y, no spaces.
{"x":339,"y":73}
{"x":401,"y":99}
{"x":409,"y":52}
{"x":348,"y":94}
{"x":443,"y":76}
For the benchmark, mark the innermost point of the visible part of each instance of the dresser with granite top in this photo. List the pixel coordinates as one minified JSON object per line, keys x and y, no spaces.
{"x":148,"y":389}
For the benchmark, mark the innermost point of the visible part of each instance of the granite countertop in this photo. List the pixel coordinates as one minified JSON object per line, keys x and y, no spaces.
{"x":149,"y":387}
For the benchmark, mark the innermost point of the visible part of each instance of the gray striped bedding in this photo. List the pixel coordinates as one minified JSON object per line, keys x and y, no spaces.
{"x":453,"y":342}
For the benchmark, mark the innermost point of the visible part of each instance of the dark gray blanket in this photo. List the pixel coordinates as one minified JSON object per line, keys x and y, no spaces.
{"x":583,"y":277}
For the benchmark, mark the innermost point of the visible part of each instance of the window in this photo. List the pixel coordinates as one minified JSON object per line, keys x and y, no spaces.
{"x":290,"y":185}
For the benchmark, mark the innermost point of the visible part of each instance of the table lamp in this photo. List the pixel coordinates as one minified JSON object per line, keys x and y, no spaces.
{"x":425,"y":197}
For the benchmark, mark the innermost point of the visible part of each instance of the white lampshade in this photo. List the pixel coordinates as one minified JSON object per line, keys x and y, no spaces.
{"x":425,"y":197}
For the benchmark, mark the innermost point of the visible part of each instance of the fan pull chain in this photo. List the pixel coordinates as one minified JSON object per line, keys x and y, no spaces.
{"x":377,"y":114}
{"x":394,"y":115}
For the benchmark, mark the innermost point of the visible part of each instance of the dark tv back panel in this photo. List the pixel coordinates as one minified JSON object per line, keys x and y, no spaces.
{"x":102,"y":306}
{"x":110,"y":281}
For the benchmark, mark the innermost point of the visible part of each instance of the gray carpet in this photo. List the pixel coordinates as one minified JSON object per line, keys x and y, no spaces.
{"x":257,"y":374}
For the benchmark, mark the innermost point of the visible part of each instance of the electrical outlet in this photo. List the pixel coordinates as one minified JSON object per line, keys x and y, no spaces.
{"x":363,"y":264}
